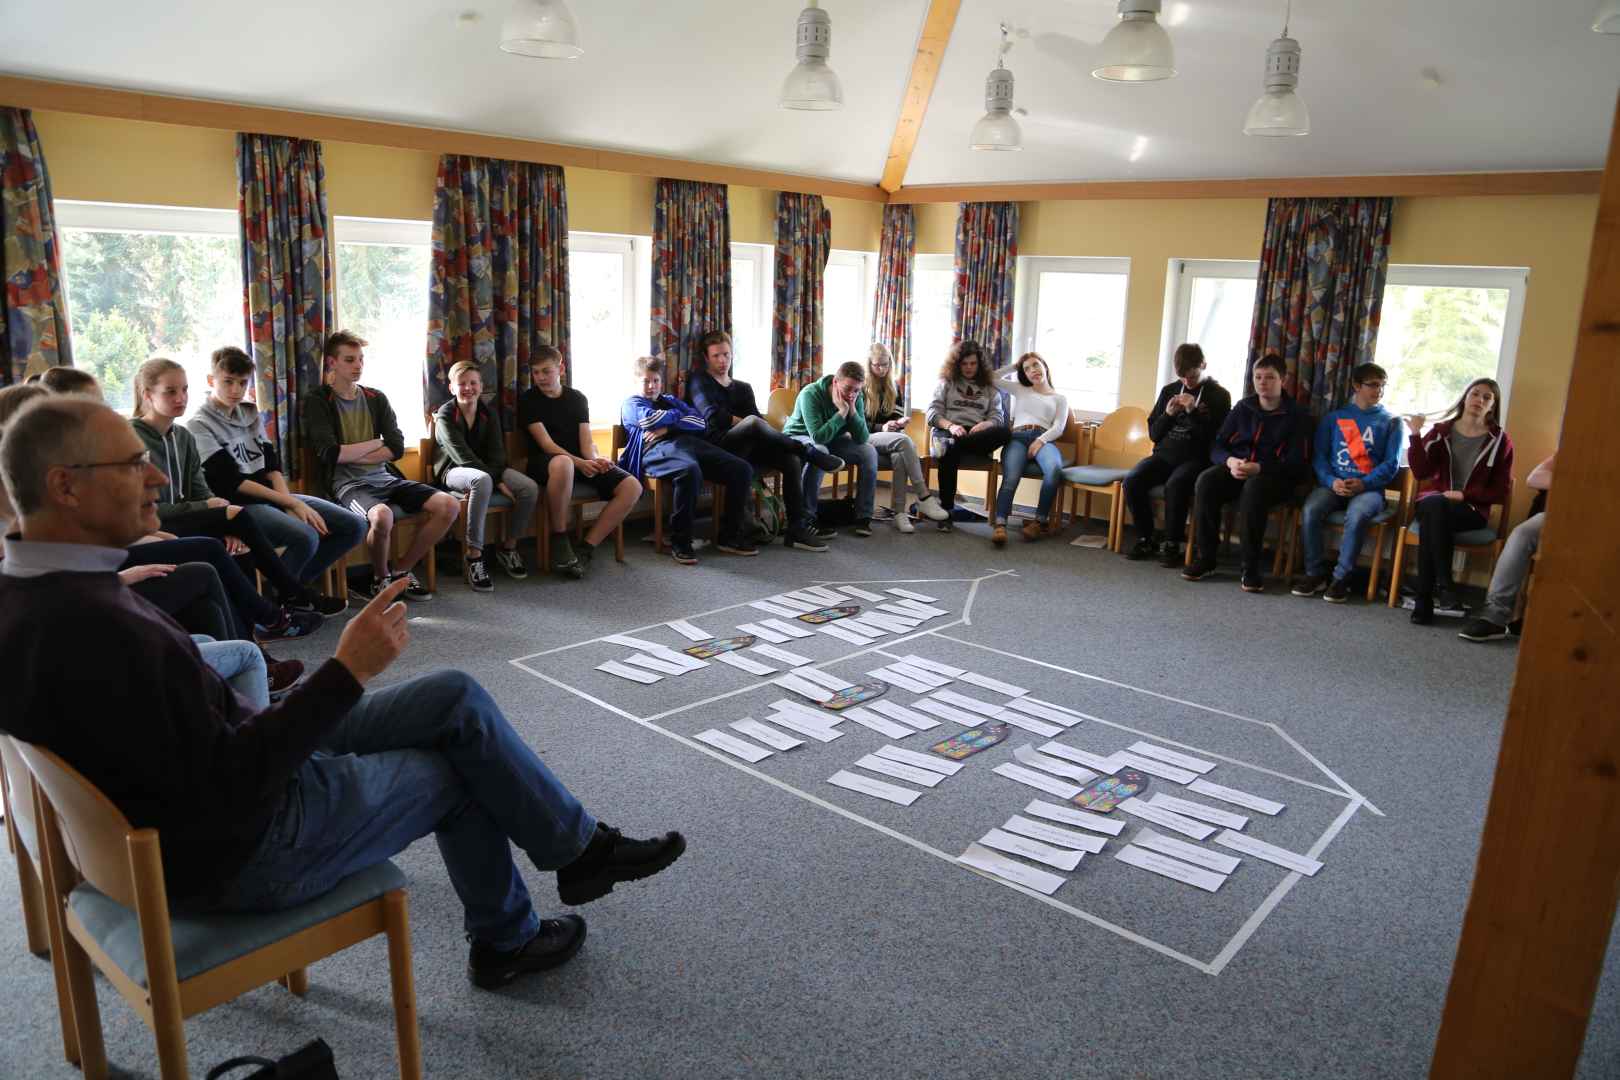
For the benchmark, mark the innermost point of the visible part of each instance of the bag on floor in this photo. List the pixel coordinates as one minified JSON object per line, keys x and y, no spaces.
{"x":765,"y":516}
{"x":836,"y":512}
{"x":312,"y":1061}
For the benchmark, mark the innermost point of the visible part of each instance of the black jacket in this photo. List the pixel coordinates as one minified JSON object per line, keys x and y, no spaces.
{"x":323,"y":433}
{"x":1187,"y":436}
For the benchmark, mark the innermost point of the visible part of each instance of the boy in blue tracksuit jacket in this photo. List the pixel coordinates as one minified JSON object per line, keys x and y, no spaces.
{"x":1358,"y":453}
{"x":664,"y":437}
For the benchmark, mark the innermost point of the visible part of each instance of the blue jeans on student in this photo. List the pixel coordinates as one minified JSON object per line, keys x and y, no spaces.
{"x":688,"y":461}
{"x":240,"y":664}
{"x":306,"y":553}
{"x":862,"y":455}
{"x":1014,"y":456}
{"x":1358,"y":514}
{"x":429,"y":755}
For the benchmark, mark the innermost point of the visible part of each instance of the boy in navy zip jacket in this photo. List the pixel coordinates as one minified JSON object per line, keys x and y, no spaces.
{"x":664,"y":436}
{"x":1259,"y":457}
{"x":1358,"y":454}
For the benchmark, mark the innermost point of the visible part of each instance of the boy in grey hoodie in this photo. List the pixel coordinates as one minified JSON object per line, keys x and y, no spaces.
{"x":242,"y":466}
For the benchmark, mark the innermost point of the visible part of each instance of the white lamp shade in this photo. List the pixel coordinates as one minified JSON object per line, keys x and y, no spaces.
{"x":1136,"y":50}
{"x":996,"y":130}
{"x":1607,"y":19}
{"x":1278,"y":112}
{"x":542,"y":28}
{"x":812,"y":85}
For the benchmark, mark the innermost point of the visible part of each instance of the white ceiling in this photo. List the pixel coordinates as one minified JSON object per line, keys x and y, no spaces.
{"x":1524,"y":84}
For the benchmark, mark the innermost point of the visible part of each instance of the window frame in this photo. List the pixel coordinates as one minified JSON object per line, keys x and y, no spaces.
{"x":763,"y":258}
{"x":1178,"y":302}
{"x":146,"y":218}
{"x":924,"y":378}
{"x":636,"y":252}
{"x":865,"y":262}
{"x":1026,"y":301}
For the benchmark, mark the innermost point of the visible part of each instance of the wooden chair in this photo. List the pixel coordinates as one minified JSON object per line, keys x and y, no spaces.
{"x":517,"y":457}
{"x":105,"y":884}
{"x":1068,"y":445}
{"x":660,"y":486}
{"x":777,"y":410}
{"x":985,"y":463}
{"x":1117,"y":444}
{"x":1490,"y":538}
{"x":338,"y":573}
{"x":498,"y":510}
{"x":1381,"y":522}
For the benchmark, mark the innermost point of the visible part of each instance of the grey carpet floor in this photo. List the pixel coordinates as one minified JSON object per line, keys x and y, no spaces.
{"x":793,"y":940}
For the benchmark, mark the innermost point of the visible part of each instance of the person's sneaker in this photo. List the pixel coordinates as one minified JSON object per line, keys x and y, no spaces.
{"x":945,"y":526}
{"x":1446,"y":599}
{"x":477,"y":575}
{"x":736,"y":546}
{"x":1516,"y":627}
{"x":803,"y":541}
{"x":824,"y":461}
{"x":998,"y":534}
{"x":681,"y":551}
{"x":309,"y":600}
{"x":863,"y":527}
{"x":611,"y":858}
{"x":932,"y":510}
{"x":1142,"y":549}
{"x":1309,"y":585}
{"x":1422,"y":612}
{"x":902,"y":522}
{"x":292,"y":624}
{"x":1338,"y":591}
{"x":1482,"y":630}
{"x":586,"y":554}
{"x":1198,"y":571}
{"x":415,"y":590}
{"x":1031,"y":530}
{"x":1170,"y":555}
{"x":821,"y":532}
{"x":555,"y":943}
{"x":511,"y":562}
{"x":282,"y":675}
{"x":1253,"y":582}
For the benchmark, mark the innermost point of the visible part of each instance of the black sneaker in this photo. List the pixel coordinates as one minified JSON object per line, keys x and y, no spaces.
{"x":1516,"y":627}
{"x":1446,"y":599}
{"x":948,"y":525}
{"x":477,"y":575}
{"x":1482,"y":630}
{"x":736,"y":546}
{"x":1170,"y":555}
{"x":803,"y":541}
{"x":1144,"y":548}
{"x":681,"y":551}
{"x":585,"y":553}
{"x":1253,"y":582}
{"x":1338,"y":591}
{"x":292,"y":624}
{"x":511,"y":562}
{"x":316,"y":602}
{"x":1198,"y":571}
{"x":415,"y":590}
{"x":1423,"y":613}
{"x":863,"y":527}
{"x":610,"y":858}
{"x":821,"y":532}
{"x":824,"y":461}
{"x":554,"y":944}
{"x":1309,"y":585}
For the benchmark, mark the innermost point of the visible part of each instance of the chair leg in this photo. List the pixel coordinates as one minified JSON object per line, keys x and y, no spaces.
{"x":542,"y":528}
{"x":86,"y":1012}
{"x":396,"y":917}
{"x":1116,"y":519}
{"x":1377,"y":562}
{"x":658,"y":514}
{"x":296,"y":982}
{"x":618,"y":542}
{"x":35,"y":928}
{"x":1396,"y":566}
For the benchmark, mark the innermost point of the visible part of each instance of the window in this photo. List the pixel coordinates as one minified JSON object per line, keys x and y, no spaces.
{"x":1444,"y":326}
{"x":847,"y":297}
{"x":753,"y":291}
{"x":1212,"y":305}
{"x":1072,"y":312}
{"x":609,"y":281}
{"x":384,"y":268}
{"x":146,"y":281}
{"x":933,"y":280}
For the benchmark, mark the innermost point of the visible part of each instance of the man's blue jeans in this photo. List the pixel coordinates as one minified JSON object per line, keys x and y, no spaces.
{"x":862,"y":455}
{"x":1358,"y":514}
{"x":430,"y":755}
{"x":306,"y":552}
{"x":1014,"y":456}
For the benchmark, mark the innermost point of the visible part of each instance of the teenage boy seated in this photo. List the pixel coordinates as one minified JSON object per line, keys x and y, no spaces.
{"x":1356,"y":455}
{"x":265,"y":810}
{"x":241,"y":465}
{"x":1182,"y":425}
{"x":1259,"y":457}
{"x":830,"y":414}
{"x":1512,"y":569}
{"x":664,"y":438}
{"x":469,"y":455}
{"x":355,"y":439}
{"x":556,"y":423}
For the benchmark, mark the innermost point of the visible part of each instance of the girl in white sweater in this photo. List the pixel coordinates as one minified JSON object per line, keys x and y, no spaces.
{"x":1039,"y":416}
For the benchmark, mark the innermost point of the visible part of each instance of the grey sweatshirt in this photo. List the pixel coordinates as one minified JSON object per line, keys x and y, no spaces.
{"x":961,"y":402}
{"x":232,"y":447}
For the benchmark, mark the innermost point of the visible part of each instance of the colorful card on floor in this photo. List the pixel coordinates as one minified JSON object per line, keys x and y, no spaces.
{"x":1237,"y":798}
{"x":889,"y":676}
{"x":1037,"y":780}
{"x":993,"y":684}
{"x":971,"y":741}
{"x":1199,"y":812}
{"x":889,"y":729}
{"x":825,"y":678}
{"x":828,"y":614}
{"x":1174,"y":869}
{"x":971,"y":704}
{"x":1070,"y":816}
{"x":1165,"y":819}
{"x":946,"y":712}
{"x":777,"y":740}
{"x":1107,"y":792}
{"x":1288,"y":860}
{"x":878,"y":789}
{"x":814,"y":691}
{"x":654,"y":663}
{"x":714,"y":647}
{"x":1028,"y":723}
{"x":1024,"y":847}
{"x":905,"y":715}
{"x":743,"y":663}
{"x":688,"y":631}
{"x":792,"y":659}
{"x":839,"y":630}
{"x":1051,"y":834}
{"x":854,"y":695}
{"x":1173,"y":757}
{"x":732,"y":745}
{"x":932,"y":665}
{"x":762,"y":632}
{"x":899,"y":770}
{"x":922,"y":761}
{"x":1031,"y":708}
{"x":920,"y":674}
{"x":1180,"y":849}
{"x":774,"y":609}
{"x":921,"y":598}
{"x":804,"y":726}
{"x":781,"y":626}
{"x":1028,"y":755}
{"x":1010,"y":870}
{"x":1104,"y":765}
{"x":632,"y":642}
{"x":613,"y":667}
{"x":861,"y":594}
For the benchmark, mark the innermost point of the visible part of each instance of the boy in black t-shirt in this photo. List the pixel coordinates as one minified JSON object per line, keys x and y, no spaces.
{"x":556,"y":424}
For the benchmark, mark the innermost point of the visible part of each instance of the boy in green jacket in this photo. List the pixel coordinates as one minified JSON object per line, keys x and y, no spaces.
{"x":830,"y":414}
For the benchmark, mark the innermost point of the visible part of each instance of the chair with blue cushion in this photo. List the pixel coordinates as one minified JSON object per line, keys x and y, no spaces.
{"x":1490,"y":539}
{"x":1068,"y":445}
{"x":104,"y":879}
{"x":1381,"y":523}
{"x":1117,"y":444}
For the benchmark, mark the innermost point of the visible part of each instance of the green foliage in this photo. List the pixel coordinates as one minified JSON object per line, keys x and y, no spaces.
{"x":111,"y":347}
{"x":381,"y":283}
{"x":1436,"y":339}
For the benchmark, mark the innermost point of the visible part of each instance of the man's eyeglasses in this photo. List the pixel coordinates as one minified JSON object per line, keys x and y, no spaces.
{"x":139,"y":462}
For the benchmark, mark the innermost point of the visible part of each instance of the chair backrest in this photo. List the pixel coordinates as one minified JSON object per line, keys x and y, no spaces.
{"x":424,"y":459}
{"x":621,"y":439}
{"x":917,"y":429}
{"x":1121,"y":439}
{"x":517,"y":451}
{"x":780,"y":406}
{"x":19,"y":795}
{"x":95,"y":834}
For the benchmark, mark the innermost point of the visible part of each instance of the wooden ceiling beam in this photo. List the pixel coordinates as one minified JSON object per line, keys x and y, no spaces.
{"x":1493,"y":183}
{"x":936,"y":35}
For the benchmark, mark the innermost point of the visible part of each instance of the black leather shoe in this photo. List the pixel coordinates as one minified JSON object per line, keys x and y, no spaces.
{"x":554,"y":944}
{"x":610,"y":858}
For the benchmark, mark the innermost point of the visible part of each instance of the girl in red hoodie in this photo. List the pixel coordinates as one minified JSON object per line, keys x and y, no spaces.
{"x":1465,"y":463}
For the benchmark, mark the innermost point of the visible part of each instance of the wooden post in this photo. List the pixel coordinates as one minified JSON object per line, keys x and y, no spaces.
{"x":1543,"y":902}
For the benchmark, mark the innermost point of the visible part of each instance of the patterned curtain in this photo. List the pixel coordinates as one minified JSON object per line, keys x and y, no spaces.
{"x":891,"y":320}
{"x":500,"y":274}
{"x":286,"y":277}
{"x":691,"y":272}
{"x":803,"y":242}
{"x":986,"y":258}
{"x":33,"y":314}
{"x":1320,"y":293}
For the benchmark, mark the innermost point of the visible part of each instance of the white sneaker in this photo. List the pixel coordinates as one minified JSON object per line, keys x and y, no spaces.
{"x":930,"y":509}
{"x":903,"y":523}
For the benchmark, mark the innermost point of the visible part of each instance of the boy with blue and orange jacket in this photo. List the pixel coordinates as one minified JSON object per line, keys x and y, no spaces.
{"x":1358,"y":453}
